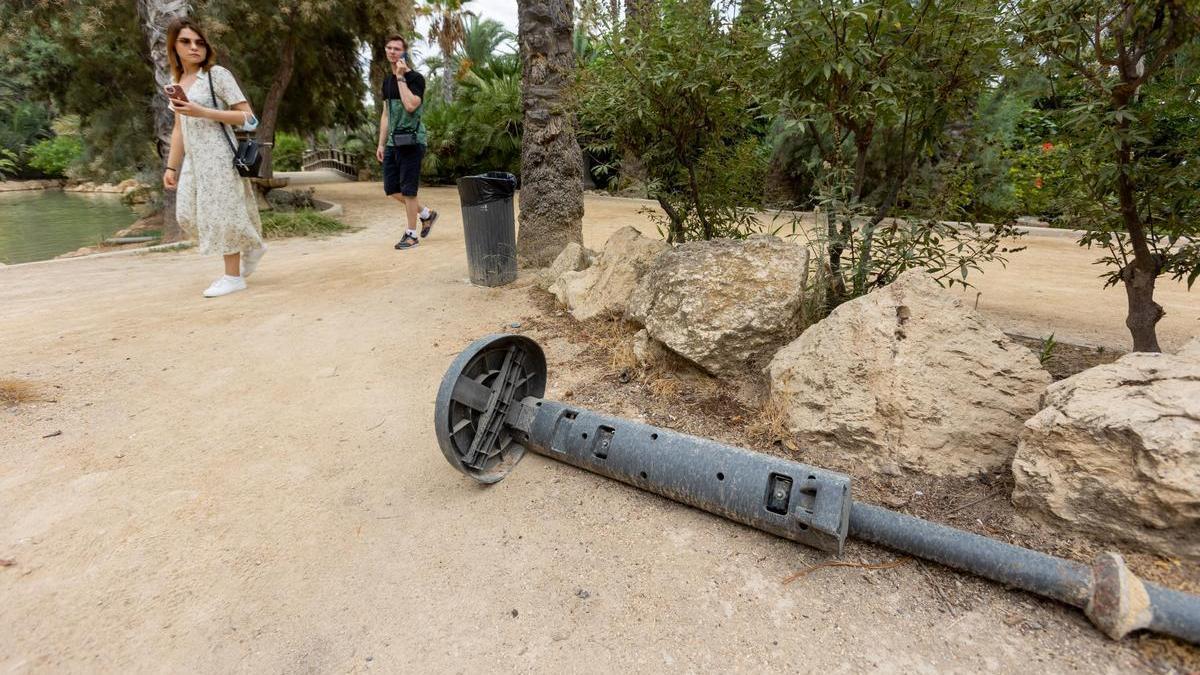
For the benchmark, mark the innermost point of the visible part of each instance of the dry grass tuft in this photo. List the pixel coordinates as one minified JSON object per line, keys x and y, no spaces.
{"x":608,"y":330}
{"x":662,"y":385}
{"x":770,"y":424}
{"x":622,"y":357}
{"x":16,"y":392}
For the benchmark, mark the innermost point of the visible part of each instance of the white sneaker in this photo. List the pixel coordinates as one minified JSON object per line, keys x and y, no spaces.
{"x":224,"y":286}
{"x":250,"y":260}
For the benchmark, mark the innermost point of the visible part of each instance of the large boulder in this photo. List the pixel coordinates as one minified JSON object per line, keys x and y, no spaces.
{"x":724,"y":304}
{"x":607,"y":285}
{"x":572,"y":258}
{"x":908,"y":374}
{"x":1115,"y":452}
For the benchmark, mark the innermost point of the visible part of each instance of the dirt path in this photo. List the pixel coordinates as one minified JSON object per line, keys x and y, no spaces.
{"x":253,"y":484}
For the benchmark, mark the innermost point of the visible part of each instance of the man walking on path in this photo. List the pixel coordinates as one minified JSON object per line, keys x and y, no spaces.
{"x":402,"y":140}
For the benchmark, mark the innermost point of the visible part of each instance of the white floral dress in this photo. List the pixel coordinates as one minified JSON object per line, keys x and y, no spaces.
{"x":214,"y":203}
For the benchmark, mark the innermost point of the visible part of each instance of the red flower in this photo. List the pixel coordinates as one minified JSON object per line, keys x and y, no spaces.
{"x":1038,"y":182}
{"x":1047,"y":146}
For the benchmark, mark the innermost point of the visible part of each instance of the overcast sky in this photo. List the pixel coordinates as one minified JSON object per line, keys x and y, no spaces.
{"x":504,"y":11}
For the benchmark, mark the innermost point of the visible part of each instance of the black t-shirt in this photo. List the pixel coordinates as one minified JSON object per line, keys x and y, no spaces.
{"x":414,"y":80}
{"x":400,"y":119}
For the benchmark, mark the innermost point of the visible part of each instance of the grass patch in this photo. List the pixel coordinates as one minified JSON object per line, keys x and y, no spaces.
{"x":16,"y":392}
{"x":306,"y":223}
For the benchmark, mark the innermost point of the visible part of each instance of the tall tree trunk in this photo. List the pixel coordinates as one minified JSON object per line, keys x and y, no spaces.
{"x":378,"y":73}
{"x":270,"y":111}
{"x":1144,"y":312}
{"x":449,"y":72}
{"x":155,"y":16}
{"x":1139,"y":275}
{"x":448,"y":75}
{"x":551,"y":162}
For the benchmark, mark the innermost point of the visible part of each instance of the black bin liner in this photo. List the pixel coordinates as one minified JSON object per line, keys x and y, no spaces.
{"x":486,"y":188}
{"x":489,"y":227}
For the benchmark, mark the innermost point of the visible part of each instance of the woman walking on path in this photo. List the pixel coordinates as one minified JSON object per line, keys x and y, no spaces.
{"x":215,"y":204}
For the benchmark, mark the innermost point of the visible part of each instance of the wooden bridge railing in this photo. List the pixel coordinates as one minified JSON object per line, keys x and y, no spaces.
{"x":345,"y":163}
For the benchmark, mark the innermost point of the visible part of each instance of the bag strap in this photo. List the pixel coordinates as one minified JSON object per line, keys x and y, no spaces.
{"x":213,"y":92}
{"x":398,"y":129}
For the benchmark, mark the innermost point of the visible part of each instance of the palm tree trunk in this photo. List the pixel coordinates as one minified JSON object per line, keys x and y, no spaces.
{"x":155,"y":16}
{"x":551,"y":161}
{"x":449,"y":72}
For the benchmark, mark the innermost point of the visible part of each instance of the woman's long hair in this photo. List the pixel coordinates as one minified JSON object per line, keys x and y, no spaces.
{"x":210,"y":52}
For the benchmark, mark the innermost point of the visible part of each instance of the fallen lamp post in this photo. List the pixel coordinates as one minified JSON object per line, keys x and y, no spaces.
{"x":490,"y":409}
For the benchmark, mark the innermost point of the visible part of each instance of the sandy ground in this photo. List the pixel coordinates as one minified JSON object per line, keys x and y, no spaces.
{"x":252,"y":483}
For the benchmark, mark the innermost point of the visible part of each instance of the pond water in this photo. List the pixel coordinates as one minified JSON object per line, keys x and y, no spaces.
{"x":41,"y":224}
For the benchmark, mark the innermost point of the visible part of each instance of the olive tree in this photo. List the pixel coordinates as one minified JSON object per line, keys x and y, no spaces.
{"x":1132,"y":68}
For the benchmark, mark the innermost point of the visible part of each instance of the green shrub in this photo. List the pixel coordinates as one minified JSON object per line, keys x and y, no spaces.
{"x":684,"y":100}
{"x":479,"y":131}
{"x":279,"y":224}
{"x":53,"y":156}
{"x":1039,"y":180}
{"x":8,"y":163}
{"x":288,"y":152}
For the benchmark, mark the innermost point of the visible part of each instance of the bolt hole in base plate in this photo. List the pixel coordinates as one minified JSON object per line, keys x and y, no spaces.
{"x":483,"y":383}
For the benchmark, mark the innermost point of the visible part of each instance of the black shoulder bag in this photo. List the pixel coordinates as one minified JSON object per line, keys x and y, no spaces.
{"x":247,"y":158}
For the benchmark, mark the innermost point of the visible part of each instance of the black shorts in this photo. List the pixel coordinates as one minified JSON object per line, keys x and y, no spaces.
{"x":402,"y":169}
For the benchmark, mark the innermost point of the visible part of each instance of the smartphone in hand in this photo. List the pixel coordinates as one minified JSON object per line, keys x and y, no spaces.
{"x":175,"y":93}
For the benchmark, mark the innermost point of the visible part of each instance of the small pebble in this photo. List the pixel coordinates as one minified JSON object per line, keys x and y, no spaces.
{"x":514,"y":613}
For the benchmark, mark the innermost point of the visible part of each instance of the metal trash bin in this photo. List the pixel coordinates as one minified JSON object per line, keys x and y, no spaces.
{"x":489,"y":227}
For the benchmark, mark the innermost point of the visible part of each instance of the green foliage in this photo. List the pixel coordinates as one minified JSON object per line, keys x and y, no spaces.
{"x":89,"y":59}
{"x":684,"y":95}
{"x":68,"y":59}
{"x":1127,"y":74}
{"x":480,"y":130}
{"x":448,"y":28}
{"x":1046,"y":353}
{"x":305,"y":223}
{"x":1039,"y":179}
{"x":288,"y":152}
{"x":486,"y":49}
{"x":8,"y":163}
{"x":884,"y":95}
{"x":1163,"y":135}
{"x":22,"y":122}
{"x":326,"y":86}
{"x":54,"y":156}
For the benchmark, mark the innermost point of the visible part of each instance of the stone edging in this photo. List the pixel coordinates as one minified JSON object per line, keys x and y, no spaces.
{"x":330,"y":209}
{"x":79,"y":187}
{"x":179,"y":245}
{"x":30,"y":185}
